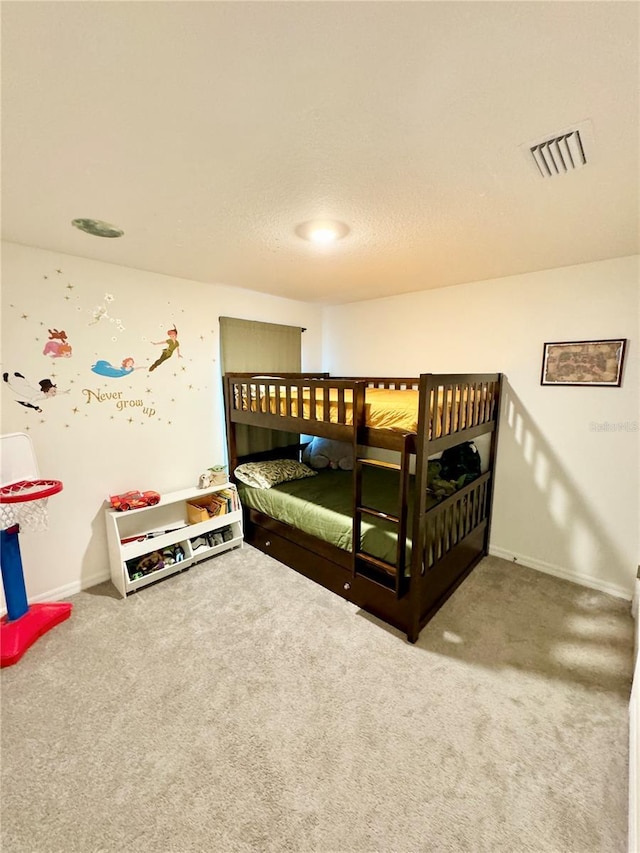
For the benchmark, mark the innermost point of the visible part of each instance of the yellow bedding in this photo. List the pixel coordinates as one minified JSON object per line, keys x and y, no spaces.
{"x":384,"y":408}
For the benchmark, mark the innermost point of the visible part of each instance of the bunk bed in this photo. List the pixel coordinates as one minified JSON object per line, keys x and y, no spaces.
{"x":435,"y":542}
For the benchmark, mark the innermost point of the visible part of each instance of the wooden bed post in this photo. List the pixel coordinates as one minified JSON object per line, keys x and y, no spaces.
{"x":232,"y":450}
{"x":358,"y":415}
{"x":492,"y":460}
{"x":419,"y":508}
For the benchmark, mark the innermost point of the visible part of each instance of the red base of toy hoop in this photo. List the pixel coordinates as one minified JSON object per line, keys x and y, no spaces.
{"x":19,"y":635}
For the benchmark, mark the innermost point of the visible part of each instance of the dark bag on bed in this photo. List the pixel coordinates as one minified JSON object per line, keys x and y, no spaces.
{"x":460,"y":461}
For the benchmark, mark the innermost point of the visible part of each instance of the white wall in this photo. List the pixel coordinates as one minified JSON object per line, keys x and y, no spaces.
{"x":97,"y":447}
{"x":567,"y":496}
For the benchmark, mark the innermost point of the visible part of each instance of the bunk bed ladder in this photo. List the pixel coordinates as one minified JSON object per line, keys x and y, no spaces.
{"x":384,"y":569}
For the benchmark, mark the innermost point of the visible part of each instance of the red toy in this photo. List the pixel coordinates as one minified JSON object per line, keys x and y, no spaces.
{"x":134,"y":500}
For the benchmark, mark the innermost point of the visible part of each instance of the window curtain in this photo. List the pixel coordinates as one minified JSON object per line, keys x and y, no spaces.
{"x":262,"y":348}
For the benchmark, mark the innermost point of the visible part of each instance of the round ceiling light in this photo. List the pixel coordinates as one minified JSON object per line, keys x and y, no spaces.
{"x":97,"y":227}
{"x":323,"y":231}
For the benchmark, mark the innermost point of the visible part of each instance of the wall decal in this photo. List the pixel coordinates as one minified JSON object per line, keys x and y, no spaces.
{"x":31,"y":395}
{"x":104,"y":368}
{"x":117,"y":399}
{"x":57,"y":346}
{"x":101,"y":312}
{"x":76,"y":323}
{"x":172,"y":345}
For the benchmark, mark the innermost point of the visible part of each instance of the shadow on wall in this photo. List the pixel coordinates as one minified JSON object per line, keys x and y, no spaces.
{"x":540,"y":517}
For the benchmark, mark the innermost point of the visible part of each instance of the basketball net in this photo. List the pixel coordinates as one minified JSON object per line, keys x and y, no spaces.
{"x":20,"y":504}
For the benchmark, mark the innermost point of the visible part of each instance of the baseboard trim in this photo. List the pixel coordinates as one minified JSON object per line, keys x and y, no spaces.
{"x":561,"y":572}
{"x":71,"y":588}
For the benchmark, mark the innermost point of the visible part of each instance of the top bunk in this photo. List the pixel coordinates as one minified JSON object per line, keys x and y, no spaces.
{"x":388,"y":412}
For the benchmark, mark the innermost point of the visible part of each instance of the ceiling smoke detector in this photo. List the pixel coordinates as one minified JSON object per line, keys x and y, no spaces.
{"x":564,"y":152}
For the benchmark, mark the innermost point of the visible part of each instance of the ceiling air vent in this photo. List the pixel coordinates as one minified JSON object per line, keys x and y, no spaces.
{"x":563,"y":152}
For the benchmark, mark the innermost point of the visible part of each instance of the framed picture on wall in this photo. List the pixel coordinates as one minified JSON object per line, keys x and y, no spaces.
{"x":583,"y":362}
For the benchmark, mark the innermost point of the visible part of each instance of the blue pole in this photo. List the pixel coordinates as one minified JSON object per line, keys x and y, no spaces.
{"x":12,"y":575}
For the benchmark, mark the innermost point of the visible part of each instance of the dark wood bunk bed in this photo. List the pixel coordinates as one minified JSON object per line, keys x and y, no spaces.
{"x":439,"y":544}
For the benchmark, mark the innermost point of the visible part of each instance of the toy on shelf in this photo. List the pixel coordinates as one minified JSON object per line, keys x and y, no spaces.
{"x":23,"y":502}
{"x":134,"y":500}
{"x":215,"y":476}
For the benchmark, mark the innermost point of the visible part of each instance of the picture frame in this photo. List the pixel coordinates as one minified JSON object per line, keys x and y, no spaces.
{"x":592,"y":363}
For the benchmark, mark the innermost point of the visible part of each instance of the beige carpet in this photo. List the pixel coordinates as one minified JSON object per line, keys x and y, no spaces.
{"x":240,"y":707}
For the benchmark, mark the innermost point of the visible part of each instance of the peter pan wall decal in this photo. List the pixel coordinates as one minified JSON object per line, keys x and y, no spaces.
{"x":171,"y":345}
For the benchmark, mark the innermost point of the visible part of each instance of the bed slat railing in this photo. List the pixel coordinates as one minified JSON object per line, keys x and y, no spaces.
{"x":393,"y":383}
{"x":297,"y":403}
{"x":464,"y":403}
{"x":455,"y":518}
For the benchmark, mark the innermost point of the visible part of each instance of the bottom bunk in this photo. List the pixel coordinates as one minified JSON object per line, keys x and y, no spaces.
{"x":307,"y":524}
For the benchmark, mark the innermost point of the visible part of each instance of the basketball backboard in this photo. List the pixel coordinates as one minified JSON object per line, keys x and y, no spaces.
{"x":17,"y":459}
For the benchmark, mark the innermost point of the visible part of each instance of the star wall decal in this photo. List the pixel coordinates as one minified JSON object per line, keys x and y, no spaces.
{"x":69,"y":287}
{"x":59,"y":272}
{"x":24,"y":316}
{"x":75,"y":410}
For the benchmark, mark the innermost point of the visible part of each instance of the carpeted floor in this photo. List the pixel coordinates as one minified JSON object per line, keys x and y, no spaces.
{"x":240,"y":707}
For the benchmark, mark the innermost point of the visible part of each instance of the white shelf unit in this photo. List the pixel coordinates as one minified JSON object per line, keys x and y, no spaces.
{"x":168,"y":515}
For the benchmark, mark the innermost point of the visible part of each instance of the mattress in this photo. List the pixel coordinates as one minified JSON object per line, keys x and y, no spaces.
{"x":322,"y":507}
{"x":385,"y":408}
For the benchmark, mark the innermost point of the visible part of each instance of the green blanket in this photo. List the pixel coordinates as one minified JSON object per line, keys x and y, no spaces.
{"x":322,"y":506}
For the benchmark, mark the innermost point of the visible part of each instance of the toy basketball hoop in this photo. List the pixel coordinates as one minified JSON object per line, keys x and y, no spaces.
{"x":23,"y":503}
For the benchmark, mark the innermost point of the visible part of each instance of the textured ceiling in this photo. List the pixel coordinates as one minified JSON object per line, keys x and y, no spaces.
{"x":208,"y":131}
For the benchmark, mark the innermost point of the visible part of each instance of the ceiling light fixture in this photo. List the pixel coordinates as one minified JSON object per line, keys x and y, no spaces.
{"x":322,"y":232}
{"x":97,"y":227}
